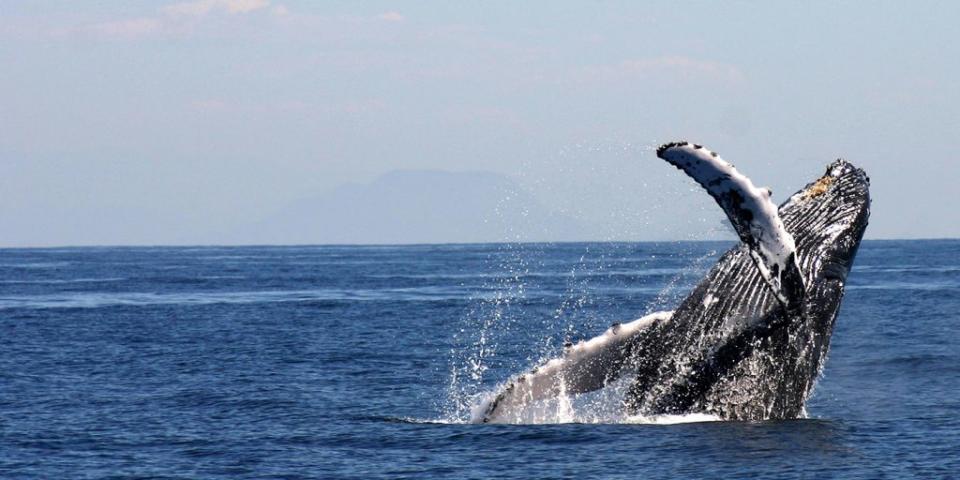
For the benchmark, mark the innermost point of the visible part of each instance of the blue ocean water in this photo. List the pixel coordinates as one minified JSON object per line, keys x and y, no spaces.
{"x":362,"y":362}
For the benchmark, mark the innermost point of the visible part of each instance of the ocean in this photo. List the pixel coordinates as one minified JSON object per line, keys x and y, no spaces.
{"x":364,"y":362}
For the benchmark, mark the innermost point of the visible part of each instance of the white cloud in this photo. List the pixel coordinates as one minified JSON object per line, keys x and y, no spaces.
{"x":391,"y":17}
{"x":126,"y":28}
{"x":200,"y":8}
{"x":244,"y":6}
{"x":172,"y":14}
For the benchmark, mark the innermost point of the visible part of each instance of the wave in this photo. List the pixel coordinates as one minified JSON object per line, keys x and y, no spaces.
{"x":610,"y":273}
{"x":907,"y":268}
{"x":62,"y":281}
{"x":101,"y":299}
{"x":900,"y":286}
{"x":449,"y":293}
{"x":625,"y":420}
{"x":35,"y":265}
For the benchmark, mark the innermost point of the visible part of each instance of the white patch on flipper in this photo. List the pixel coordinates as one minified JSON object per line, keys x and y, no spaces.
{"x":584,"y":367}
{"x":749,"y":208}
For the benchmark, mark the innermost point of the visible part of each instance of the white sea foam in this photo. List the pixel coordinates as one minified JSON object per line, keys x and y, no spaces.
{"x":108,"y":299}
{"x":62,"y":281}
{"x":672,"y":419}
{"x":583,"y":367}
{"x":602,"y":407}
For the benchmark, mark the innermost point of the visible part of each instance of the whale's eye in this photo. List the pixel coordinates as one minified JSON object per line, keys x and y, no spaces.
{"x":835,"y":271}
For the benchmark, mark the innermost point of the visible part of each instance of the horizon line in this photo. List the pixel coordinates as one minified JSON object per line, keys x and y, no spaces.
{"x":420,"y":244}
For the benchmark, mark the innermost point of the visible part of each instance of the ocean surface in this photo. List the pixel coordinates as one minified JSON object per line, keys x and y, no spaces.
{"x":364,"y":362}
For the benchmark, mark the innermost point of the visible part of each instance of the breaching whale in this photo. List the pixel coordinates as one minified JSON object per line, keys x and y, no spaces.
{"x":750,"y":340}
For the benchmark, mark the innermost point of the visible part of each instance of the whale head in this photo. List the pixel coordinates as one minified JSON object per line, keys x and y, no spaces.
{"x":827,"y":219}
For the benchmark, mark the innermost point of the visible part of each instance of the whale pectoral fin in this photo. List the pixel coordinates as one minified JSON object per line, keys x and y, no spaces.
{"x":584,"y":367}
{"x":752,"y":213}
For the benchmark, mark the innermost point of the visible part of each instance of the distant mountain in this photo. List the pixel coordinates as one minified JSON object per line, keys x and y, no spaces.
{"x":418,"y":206}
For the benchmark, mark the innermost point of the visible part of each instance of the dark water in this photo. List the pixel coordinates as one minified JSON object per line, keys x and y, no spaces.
{"x":335,"y":362}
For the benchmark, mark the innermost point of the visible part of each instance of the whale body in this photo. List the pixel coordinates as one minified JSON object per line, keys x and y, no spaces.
{"x":751,"y":339}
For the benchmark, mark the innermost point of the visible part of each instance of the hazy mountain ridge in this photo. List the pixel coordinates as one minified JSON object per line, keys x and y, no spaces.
{"x":418,"y":206}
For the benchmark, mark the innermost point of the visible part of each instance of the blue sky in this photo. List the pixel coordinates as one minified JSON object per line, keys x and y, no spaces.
{"x":153,"y":123}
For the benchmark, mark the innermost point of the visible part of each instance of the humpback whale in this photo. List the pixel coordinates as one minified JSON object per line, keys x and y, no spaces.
{"x":751,"y":339}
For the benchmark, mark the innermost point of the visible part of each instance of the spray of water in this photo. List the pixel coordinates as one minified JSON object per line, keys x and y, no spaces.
{"x":490,"y":324}
{"x":494,"y":318}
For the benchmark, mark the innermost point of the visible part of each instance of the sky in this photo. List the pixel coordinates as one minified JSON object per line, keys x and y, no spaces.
{"x":129,"y":122}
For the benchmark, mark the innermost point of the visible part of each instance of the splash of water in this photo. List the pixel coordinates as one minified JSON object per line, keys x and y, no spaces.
{"x":468,"y":394}
{"x":489,"y":323}
{"x":600,"y":407}
{"x":475,"y":349}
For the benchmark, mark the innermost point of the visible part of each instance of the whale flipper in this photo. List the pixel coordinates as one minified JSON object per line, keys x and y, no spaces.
{"x":752,"y":213}
{"x":587,"y":366}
